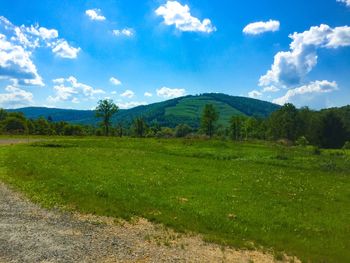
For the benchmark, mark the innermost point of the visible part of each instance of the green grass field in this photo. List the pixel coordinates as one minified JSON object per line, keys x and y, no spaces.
{"x":284,"y":199}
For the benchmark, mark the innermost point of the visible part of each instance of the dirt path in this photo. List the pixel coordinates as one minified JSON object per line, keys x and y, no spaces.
{"x":16,"y":141}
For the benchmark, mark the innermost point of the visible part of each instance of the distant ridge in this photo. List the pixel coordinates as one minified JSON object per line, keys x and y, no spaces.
{"x":167,"y":113}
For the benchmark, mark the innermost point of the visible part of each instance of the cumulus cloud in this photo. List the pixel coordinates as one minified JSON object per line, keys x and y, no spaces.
{"x":179,"y":15}
{"x":170,"y":93}
{"x":262,"y":27}
{"x":290,"y":67}
{"x":95,"y":14}
{"x":16,"y":64}
{"x":115,"y":81}
{"x":15,"y":98}
{"x":17,"y":44}
{"x":307,"y":92}
{"x":127,"y":32}
{"x":148,"y":94}
{"x":347,"y":2}
{"x":132,"y":104}
{"x":71,"y":90}
{"x":128,"y":94}
{"x":64,"y":50}
{"x":255,"y":94}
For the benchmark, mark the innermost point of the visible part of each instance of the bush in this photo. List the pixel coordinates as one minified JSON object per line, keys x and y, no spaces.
{"x":302,"y":141}
{"x":165,"y":132}
{"x":182,"y":130}
{"x":347,"y":146}
{"x":316,"y":150}
{"x":14,"y":125}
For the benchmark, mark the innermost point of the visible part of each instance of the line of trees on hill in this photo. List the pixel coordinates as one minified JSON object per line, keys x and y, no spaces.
{"x":327,"y":128}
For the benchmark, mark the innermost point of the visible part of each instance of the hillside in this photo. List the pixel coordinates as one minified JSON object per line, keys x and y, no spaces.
{"x":167,"y":113}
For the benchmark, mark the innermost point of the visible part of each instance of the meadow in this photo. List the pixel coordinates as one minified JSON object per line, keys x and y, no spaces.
{"x":293,"y":200}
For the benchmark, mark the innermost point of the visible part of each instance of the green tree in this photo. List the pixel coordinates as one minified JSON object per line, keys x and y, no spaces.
{"x":14,"y":125}
{"x":105,"y":110}
{"x":284,"y":123}
{"x":182,"y":130}
{"x":139,"y":127}
{"x":3,"y":114}
{"x":332,"y":131}
{"x":209,"y":119}
{"x":236,"y":127}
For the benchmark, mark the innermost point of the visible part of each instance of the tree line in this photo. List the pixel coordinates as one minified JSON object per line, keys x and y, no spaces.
{"x":327,"y":128}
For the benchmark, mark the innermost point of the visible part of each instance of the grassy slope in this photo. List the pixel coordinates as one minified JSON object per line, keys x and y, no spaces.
{"x":190,"y":108}
{"x":286,"y":199}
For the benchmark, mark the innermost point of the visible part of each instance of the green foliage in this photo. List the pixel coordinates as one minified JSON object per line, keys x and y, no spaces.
{"x":182,"y":130}
{"x":238,"y":193}
{"x":3,"y":114}
{"x":209,"y":119}
{"x":332,"y":131}
{"x":14,"y":125}
{"x":284,"y":123}
{"x":236,"y":127}
{"x":347,"y":146}
{"x":105,"y":110}
{"x":165,"y":132}
{"x":139,"y":127}
{"x":302,"y":141}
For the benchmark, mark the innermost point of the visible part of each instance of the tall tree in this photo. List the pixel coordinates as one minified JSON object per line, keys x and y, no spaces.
{"x":139,"y":127}
{"x":284,"y":123}
{"x":332,"y":131}
{"x":209,"y":119}
{"x":236,"y":127}
{"x":105,"y":110}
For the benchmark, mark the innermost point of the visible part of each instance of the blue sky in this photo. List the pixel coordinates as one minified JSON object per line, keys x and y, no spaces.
{"x":70,"y":54}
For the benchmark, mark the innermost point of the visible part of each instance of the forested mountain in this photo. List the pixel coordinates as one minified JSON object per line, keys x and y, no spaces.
{"x":167,"y":113}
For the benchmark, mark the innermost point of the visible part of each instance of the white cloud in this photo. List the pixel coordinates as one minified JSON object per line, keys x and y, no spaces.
{"x":254,"y":94}
{"x":128,"y":32}
{"x":289,"y":68}
{"x":262,"y":27}
{"x":113,"y":92}
{"x":128,"y":94}
{"x":16,"y":63}
{"x":148,"y":94}
{"x":132,"y":104}
{"x":95,"y":14}
{"x":71,"y":90}
{"x":42,"y":32}
{"x":307,"y":92}
{"x":64,"y":50}
{"x":170,"y":93}
{"x":179,"y":15}
{"x":347,"y":2}
{"x":58,"y":81}
{"x":115,"y":81}
{"x":270,"y":89}
{"x":17,"y":45}
{"x":15,"y":98}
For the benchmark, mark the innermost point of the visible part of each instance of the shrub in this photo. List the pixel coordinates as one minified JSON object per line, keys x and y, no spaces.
{"x":182,"y":130}
{"x":316,"y":150}
{"x":14,"y":125}
{"x":302,"y":141}
{"x":347,"y":146}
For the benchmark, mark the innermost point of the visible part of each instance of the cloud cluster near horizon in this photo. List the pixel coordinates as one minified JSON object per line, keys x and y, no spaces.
{"x":290,"y":68}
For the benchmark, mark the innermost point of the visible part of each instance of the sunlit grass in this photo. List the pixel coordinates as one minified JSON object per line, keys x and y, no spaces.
{"x":287,"y":199}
